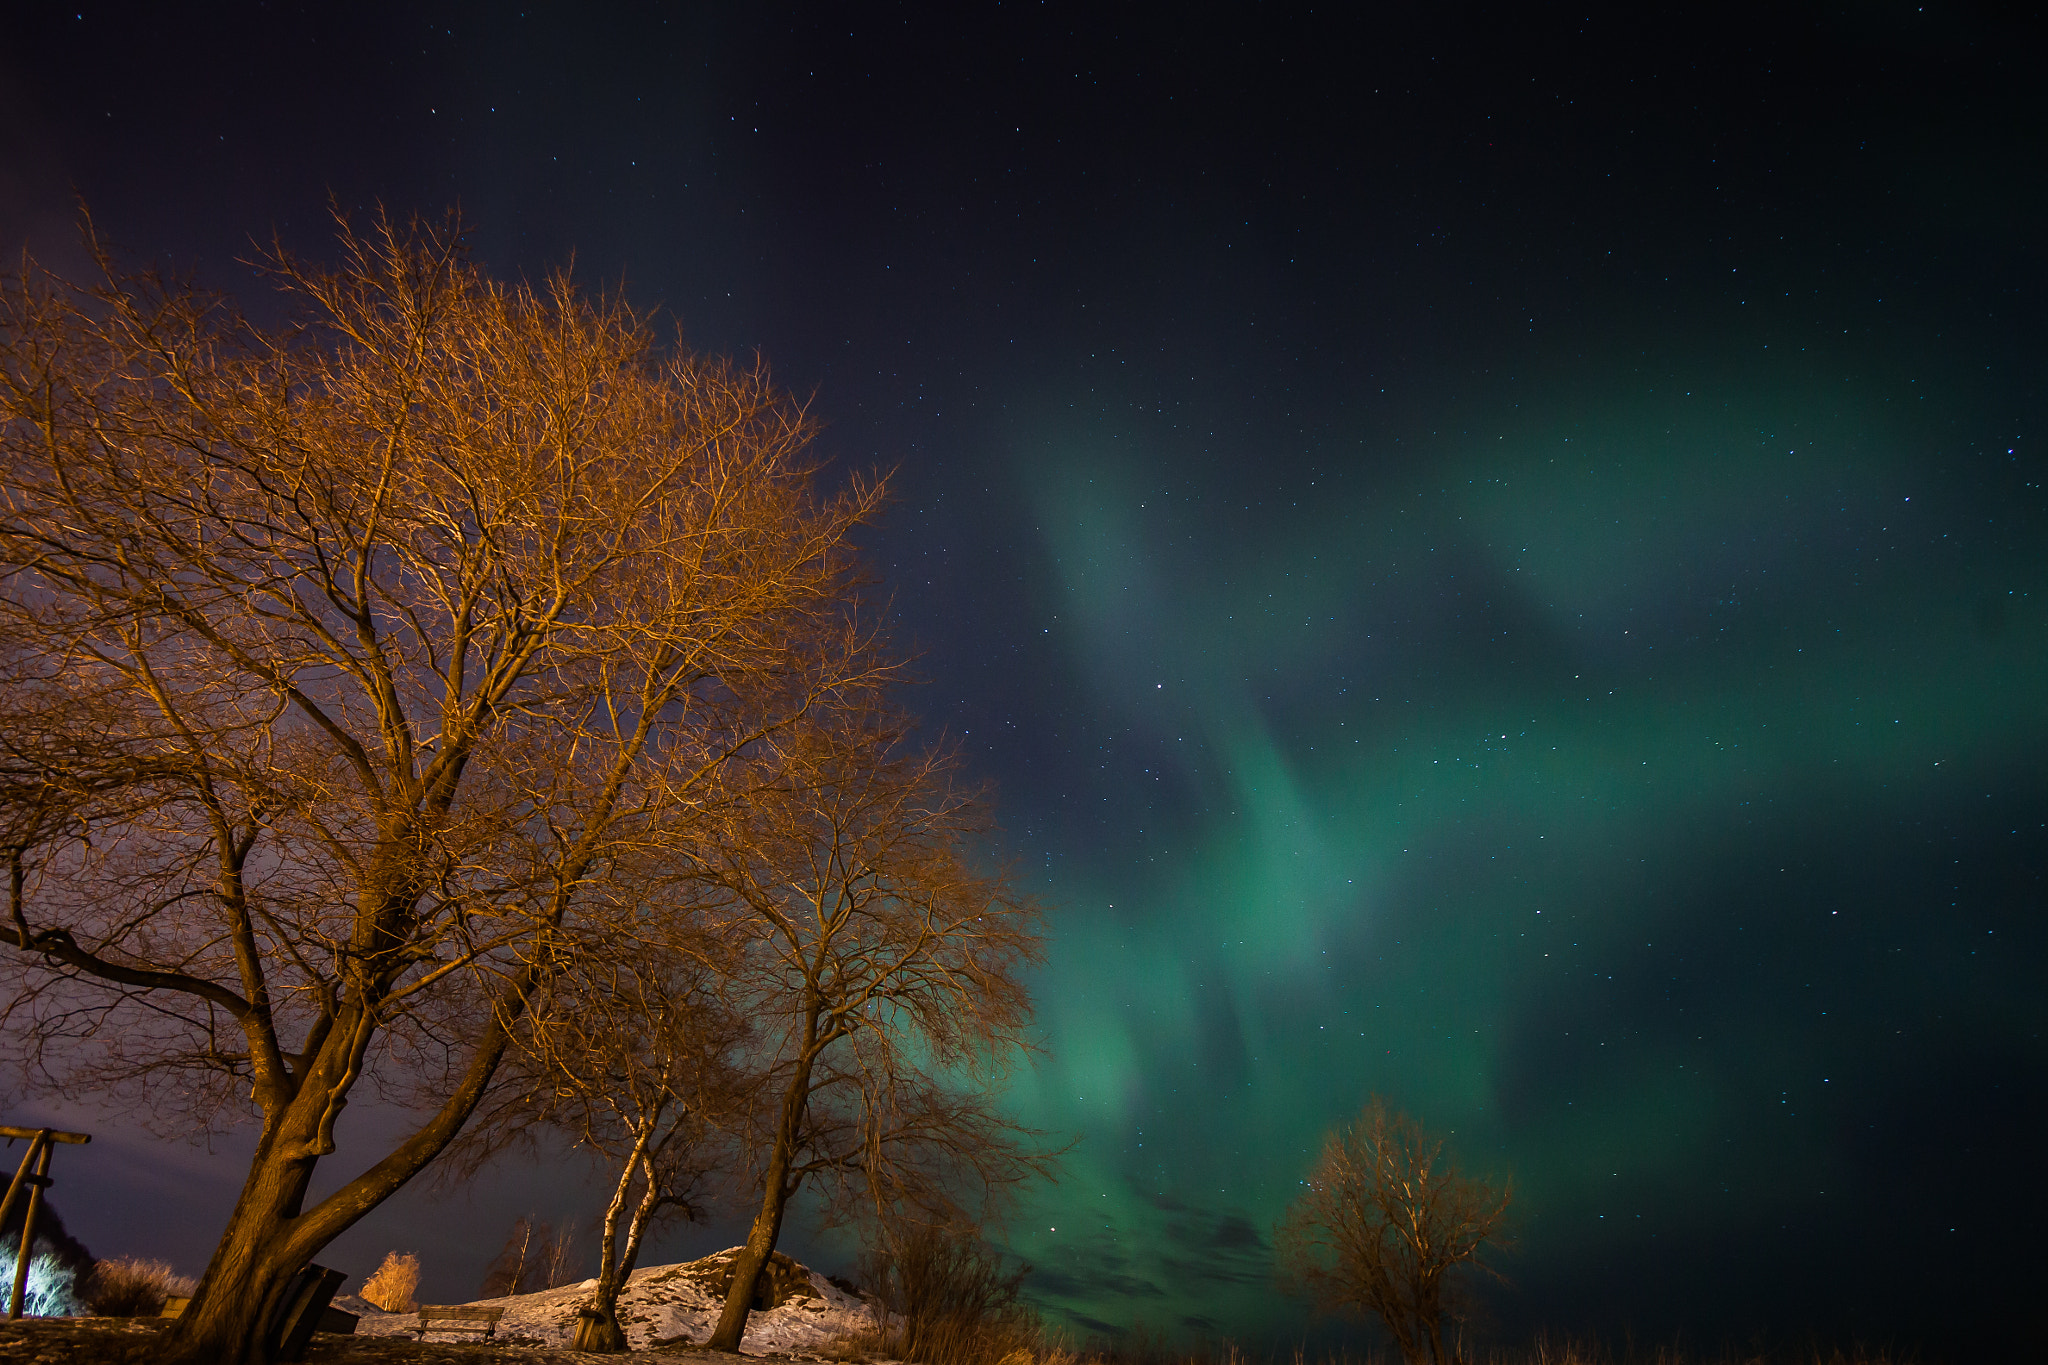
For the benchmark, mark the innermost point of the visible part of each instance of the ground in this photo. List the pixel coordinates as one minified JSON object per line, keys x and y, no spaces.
{"x":132,"y":1341}
{"x":663,"y":1309}
{"x":665,"y":1306}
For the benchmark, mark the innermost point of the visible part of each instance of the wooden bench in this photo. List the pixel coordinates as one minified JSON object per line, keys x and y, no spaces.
{"x":451,"y":1317}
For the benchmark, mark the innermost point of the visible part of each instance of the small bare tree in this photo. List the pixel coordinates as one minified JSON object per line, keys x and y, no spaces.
{"x":654,"y":1084}
{"x":342,"y":665}
{"x":536,"y":1256}
{"x":558,"y":1255}
{"x":1383,"y":1220}
{"x":628,"y":1056}
{"x":392,"y":1285}
{"x":515,"y":1269}
{"x":883,"y":977}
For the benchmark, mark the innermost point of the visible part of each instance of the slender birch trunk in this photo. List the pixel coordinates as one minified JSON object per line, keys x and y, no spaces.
{"x":615,"y":1264}
{"x":777,"y":1188}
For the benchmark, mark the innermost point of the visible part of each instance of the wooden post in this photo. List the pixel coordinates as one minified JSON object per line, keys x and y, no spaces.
{"x":41,"y":1141}
{"x":26,"y":1251}
{"x":21,"y":1174}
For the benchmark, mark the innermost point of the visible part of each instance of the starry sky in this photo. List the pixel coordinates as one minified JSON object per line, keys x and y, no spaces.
{"x":1495,"y":558}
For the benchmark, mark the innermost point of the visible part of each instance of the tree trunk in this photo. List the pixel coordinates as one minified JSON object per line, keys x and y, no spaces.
{"x":251,"y":1267}
{"x":1432,"y":1312}
{"x":271,"y":1236}
{"x":746,"y":1269}
{"x":1400,"y":1321}
{"x":776,"y":1189}
{"x":614,"y":1264}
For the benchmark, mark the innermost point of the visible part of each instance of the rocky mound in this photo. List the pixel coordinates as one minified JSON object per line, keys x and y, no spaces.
{"x":796,"y":1309}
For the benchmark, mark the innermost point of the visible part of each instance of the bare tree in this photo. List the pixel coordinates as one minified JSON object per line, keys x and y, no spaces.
{"x":629,"y":1056}
{"x":1384,"y":1219}
{"x":341,"y":665}
{"x":518,"y":1266}
{"x":883,"y":975}
{"x":656,"y":1083}
{"x":558,"y":1255}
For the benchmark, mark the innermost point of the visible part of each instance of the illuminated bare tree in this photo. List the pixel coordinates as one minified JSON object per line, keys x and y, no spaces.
{"x":1383,"y":1220}
{"x":655,"y":1082}
{"x":341,"y":665}
{"x":629,"y":1055}
{"x":883,"y":976}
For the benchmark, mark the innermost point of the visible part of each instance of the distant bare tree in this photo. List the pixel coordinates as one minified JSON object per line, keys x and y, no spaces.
{"x":1383,"y":1221}
{"x":537,"y":1255}
{"x":558,"y":1255}
{"x":341,"y":665}
{"x":514,"y":1270}
{"x":882,"y":975}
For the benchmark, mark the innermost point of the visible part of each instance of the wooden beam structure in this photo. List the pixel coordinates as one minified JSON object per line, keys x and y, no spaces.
{"x":53,"y":1134}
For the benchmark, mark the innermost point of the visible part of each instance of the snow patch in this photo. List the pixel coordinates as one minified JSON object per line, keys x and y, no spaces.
{"x":665,"y":1304}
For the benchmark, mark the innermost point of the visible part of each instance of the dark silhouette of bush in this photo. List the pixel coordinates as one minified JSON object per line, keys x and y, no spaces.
{"x":943,"y":1297}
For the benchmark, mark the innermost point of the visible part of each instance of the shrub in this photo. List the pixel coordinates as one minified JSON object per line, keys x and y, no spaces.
{"x":392,"y":1286}
{"x":130,"y":1287}
{"x":51,"y":1291}
{"x":943,"y":1298}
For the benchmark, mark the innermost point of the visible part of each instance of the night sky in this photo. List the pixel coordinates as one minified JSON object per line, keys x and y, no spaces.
{"x":1493,"y":558}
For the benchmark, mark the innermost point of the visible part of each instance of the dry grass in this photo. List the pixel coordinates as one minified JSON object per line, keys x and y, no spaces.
{"x":1545,"y":1350}
{"x":130,"y":1287}
{"x":956,"y":1344}
{"x":1003,"y":1349}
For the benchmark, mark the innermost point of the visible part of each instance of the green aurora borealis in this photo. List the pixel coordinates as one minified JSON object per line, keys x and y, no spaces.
{"x":1601,"y":788}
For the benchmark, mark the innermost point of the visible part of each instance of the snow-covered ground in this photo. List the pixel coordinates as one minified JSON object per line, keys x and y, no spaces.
{"x":667,"y":1304}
